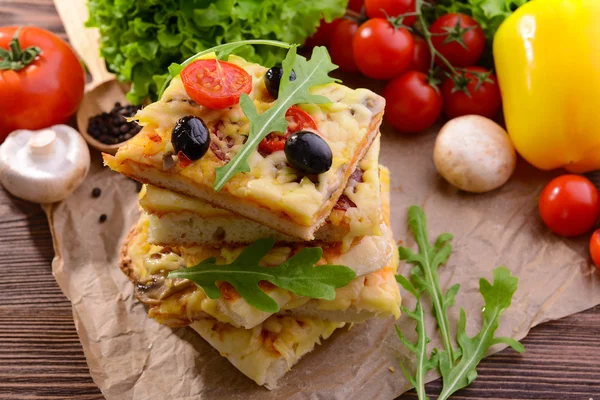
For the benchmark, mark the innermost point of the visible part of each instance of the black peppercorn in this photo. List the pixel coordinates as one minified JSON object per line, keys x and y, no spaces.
{"x":112,"y":127}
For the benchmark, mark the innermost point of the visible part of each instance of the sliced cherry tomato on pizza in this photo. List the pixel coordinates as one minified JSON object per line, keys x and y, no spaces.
{"x":215,"y":84}
{"x":298,"y":120}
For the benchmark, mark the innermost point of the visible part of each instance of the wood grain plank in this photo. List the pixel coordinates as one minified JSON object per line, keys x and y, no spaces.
{"x":41,"y":356}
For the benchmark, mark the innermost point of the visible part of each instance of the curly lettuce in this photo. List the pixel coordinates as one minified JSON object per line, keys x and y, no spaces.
{"x":141,"y":38}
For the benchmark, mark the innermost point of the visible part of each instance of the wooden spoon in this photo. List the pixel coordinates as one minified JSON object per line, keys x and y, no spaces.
{"x":104,"y":90}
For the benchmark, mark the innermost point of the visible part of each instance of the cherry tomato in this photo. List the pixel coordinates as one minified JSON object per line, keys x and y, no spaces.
{"x":215,"y":84}
{"x":569,"y":205}
{"x":298,"y":120}
{"x":356,"y":5}
{"x":44,"y":92}
{"x":381,"y":50}
{"x":595,"y":248}
{"x":412,"y":105}
{"x":483,"y":98}
{"x":340,"y":45}
{"x":322,"y":35}
{"x":447,"y":27}
{"x":393,"y":8}
{"x":421,"y":55}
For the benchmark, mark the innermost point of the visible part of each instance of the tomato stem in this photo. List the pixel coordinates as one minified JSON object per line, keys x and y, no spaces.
{"x":14,"y":58}
{"x":426,"y":34}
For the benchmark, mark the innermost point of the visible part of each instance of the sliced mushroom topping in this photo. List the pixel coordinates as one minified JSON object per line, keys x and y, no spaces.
{"x":159,"y":288}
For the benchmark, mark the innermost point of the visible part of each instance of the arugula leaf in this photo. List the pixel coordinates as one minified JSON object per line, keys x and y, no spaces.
{"x":298,"y":274}
{"x":457,"y":366}
{"x":308,"y":74}
{"x":425,"y":276}
{"x":424,"y":363}
{"x":497,"y":299}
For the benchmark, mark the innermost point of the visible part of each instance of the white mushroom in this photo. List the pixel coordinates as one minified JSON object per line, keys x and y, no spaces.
{"x":474,"y":154}
{"x":44,"y":166}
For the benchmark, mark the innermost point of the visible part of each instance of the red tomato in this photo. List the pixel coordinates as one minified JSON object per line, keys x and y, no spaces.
{"x":298,"y":120}
{"x":483,"y":98}
{"x":381,"y":50}
{"x":356,"y":5}
{"x":340,"y":45}
{"x":595,"y":248}
{"x":412,"y":105}
{"x":215,"y":84}
{"x":569,"y":205}
{"x":43,"y":93}
{"x":421,"y":55}
{"x":322,"y":35}
{"x":393,"y":8}
{"x":470,"y":32}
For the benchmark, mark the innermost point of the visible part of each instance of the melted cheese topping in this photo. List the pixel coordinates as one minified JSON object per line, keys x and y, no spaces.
{"x":345,"y":124}
{"x":363,"y":219}
{"x":376,"y":292}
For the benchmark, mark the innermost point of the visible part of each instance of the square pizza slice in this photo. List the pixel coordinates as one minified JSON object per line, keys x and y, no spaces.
{"x":179,"y":220}
{"x":273,"y":193}
{"x":179,"y":302}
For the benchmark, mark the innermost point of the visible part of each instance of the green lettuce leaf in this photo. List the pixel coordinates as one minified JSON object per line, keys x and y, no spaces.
{"x":140,"y":39}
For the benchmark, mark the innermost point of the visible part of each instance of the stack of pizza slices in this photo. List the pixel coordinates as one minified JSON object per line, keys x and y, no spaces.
{"x":275,"y":214}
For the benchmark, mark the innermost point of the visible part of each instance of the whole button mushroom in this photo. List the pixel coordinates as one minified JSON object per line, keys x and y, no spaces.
{"x":44,"y":166}
{"x":474,"y":154}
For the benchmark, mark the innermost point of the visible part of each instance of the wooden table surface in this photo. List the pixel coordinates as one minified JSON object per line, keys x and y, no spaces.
{"x":41,"y":357}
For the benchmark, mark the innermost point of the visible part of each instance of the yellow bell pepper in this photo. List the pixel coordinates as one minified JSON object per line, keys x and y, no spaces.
{"x":547,"y":57}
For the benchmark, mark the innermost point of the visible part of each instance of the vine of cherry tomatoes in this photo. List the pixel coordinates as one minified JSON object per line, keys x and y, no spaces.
{"x":430,"y":69}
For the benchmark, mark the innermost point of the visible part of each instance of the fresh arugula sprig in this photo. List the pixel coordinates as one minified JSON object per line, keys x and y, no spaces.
{"x":309,"y":73}
{"x":298,"y":274}
{"x":497,"y":298}
{"x":425,"y":363}
{"x":425,"y":276}
{"x":457,"y":366}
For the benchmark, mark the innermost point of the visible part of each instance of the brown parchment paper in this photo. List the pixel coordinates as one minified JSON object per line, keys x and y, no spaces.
{"x":132,"y":357}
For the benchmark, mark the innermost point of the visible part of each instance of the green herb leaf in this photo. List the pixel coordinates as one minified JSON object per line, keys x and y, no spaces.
{"x":298,"y":274}
{"x":309,"y":73}
{"x":425,"y":276}
{"x":497,"y":297}
{"x":424,"y":363}
{"x":457,"y":366}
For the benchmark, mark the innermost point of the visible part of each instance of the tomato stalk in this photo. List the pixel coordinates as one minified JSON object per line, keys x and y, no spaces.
{"x":14,"y":58}
{"x":456,"y":74}
{"x":427,"y":36}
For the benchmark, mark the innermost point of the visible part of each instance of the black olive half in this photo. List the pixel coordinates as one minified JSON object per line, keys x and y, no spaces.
{"x":273,"y":79}
{"x":190,"y":136}
{"x":308,"y":152}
